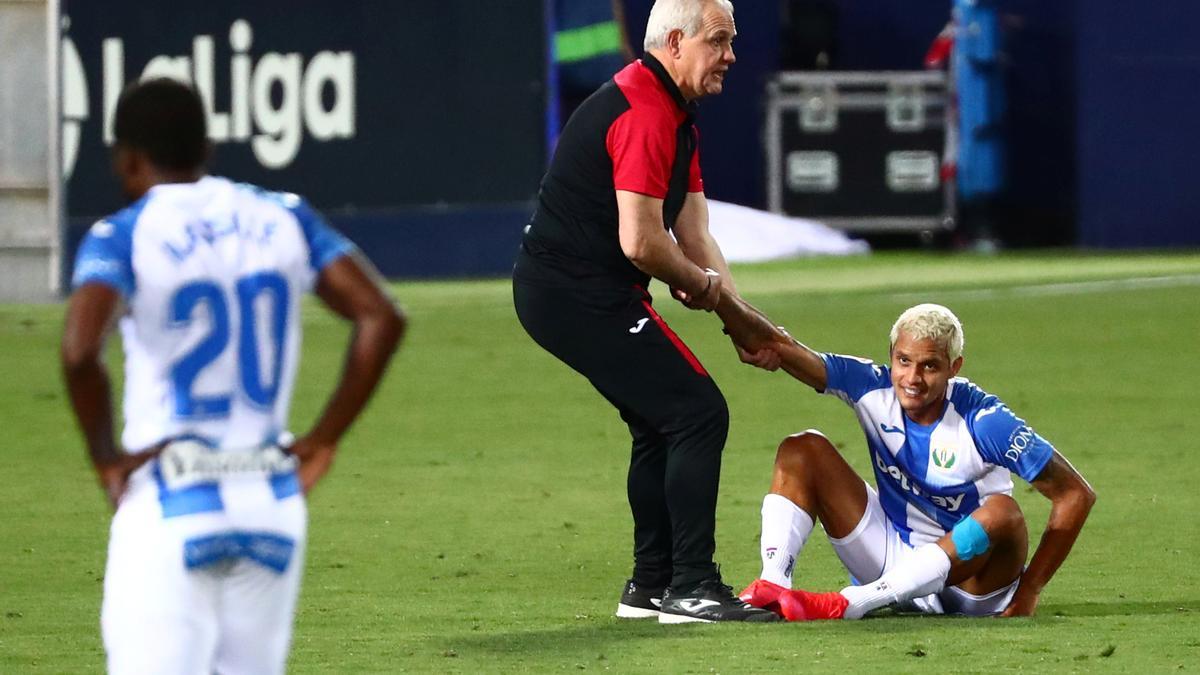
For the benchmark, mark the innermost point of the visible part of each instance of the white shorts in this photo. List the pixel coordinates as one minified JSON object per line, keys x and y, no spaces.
{"x":875,"y":546}
{"x":203,"y":580}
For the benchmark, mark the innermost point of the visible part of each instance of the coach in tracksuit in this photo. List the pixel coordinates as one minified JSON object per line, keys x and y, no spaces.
{"x":626,"y":171}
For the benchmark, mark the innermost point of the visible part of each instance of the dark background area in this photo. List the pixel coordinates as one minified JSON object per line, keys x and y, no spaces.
{"x":435,"y":123}
{"x":1037,"y":209}
{"x":452,"y":124}
{"x":451,"y":134}
{"x":1138,"y":75}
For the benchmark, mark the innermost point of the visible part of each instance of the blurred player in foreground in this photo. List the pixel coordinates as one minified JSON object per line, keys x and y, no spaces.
{"x":940,"y":533}
{"x":206,"y":276}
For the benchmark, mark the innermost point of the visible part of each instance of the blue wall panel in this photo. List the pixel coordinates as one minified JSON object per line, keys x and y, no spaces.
{"x":1138,"y":136}
{"x":421,"y":242}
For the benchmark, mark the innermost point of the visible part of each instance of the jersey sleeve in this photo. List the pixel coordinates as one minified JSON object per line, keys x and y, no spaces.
{"x":695,"y":181}
{"x":1006,"y":440}
{"x":642,"y":149}
{"x":105,"y":256}
{"x":325,"y":244}
{"x":850,"y":378}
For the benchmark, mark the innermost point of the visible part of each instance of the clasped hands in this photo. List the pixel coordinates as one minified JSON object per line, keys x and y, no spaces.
{"x":753,"y":334}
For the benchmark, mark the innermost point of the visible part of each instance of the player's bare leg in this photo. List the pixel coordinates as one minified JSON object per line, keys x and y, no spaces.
{"x":1004,"y":560}
{"x":812,"y":474}
{"x":984,"y":553}
{"x":811,"y":482}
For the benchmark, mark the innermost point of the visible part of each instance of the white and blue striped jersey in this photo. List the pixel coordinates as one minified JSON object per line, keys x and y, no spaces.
{"x":929,"y":477}
{"x":212,"y":274}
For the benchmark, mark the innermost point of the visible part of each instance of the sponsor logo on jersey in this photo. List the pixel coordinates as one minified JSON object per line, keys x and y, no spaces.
{"x":186,"y":463}
{"x":96,"y":266}
{"x":1018,"y":441}
{"x":951,"y":503}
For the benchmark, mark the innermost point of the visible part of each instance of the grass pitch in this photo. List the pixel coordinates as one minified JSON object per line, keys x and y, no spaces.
{"x":476,"y":518}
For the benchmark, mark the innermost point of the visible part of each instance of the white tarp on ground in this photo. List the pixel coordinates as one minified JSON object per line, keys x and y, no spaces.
{"x":749,"y":235}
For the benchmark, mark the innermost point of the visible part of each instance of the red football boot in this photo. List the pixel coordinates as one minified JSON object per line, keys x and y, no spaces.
{"x":797,"y":605}
{"x":764,"y":594}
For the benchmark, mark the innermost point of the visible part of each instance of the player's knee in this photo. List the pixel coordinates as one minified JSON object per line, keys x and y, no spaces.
{"x":999,"y":522}
{"x":1001,"y":516}
{"x":800,"y":453}
{"x":970,"y":539}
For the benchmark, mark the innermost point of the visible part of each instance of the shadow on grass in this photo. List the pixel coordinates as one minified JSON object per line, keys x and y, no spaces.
{"x":603,"y":636}
{"x":1120,"y":608}
{"x":593,"y":637}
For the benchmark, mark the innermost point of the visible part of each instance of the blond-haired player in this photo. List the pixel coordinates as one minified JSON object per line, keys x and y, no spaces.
{"x":940,"y":531}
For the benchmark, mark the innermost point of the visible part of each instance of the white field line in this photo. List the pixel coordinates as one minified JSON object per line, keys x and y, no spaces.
{"x":1065,"y":288}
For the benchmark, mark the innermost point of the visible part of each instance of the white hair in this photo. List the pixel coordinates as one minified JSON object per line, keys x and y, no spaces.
{"x":934,"y":322}
{"x":684,"y":15}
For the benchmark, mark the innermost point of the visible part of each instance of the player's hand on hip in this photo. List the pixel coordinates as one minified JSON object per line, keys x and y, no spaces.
{"x":705,"y":298}
{"x":765,"y":358}
{"x":114,"y":476}
{"x":315,"y":457}
{"x":114,"y":480}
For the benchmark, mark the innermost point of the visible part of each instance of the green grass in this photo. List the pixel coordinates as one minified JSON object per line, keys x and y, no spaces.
{"x":476,"y":517}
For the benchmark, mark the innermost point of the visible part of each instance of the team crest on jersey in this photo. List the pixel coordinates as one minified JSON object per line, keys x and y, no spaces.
{"x":944,"y":458}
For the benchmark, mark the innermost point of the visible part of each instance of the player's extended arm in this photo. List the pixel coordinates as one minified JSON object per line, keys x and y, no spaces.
{"x":350,"y":288}
{"x":1071,"y":500}
{"x":644,"y":240}
{"x":697,"y":243}
{"x":752,"y":330}
{"x":90,"y":313}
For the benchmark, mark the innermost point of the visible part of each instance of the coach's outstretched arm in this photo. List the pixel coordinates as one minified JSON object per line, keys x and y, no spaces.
{"x":352,"y":289}
{"x":1071,"y":499}
{"x":752,"y":330}
{"x":90,"y":314}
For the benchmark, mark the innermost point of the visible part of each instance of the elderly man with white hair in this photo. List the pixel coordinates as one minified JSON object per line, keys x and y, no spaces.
{"x":626,"y":177}
{"x":940,"y":532}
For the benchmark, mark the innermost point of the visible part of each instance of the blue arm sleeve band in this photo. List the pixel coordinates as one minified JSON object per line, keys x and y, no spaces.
{"x":969,"y":539}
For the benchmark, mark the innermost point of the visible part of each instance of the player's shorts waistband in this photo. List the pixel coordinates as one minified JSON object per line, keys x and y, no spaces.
{"x":185,"y":463}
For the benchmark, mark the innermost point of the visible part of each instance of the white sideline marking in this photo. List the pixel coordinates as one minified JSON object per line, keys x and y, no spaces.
{"x":1065,"y":288}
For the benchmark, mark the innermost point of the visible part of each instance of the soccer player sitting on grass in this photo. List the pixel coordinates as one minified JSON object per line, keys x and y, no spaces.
{"x":941,"y":533}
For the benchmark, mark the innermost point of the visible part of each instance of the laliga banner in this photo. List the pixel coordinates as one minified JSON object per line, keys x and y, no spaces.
{"x":357,"y":106}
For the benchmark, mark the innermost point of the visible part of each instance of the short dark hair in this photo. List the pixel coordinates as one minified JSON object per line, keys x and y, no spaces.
{"x":165,"y":119}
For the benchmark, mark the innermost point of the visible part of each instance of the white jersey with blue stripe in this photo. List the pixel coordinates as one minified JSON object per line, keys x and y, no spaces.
{"x":212,"y":274}
{"x":929,"y":477}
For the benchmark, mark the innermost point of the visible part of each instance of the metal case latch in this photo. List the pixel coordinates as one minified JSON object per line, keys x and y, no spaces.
{"x":905,"y":107}
{"x":819,"y":110}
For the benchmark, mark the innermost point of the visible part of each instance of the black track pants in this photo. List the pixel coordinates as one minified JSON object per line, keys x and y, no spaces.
{"x":676,"y":415}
